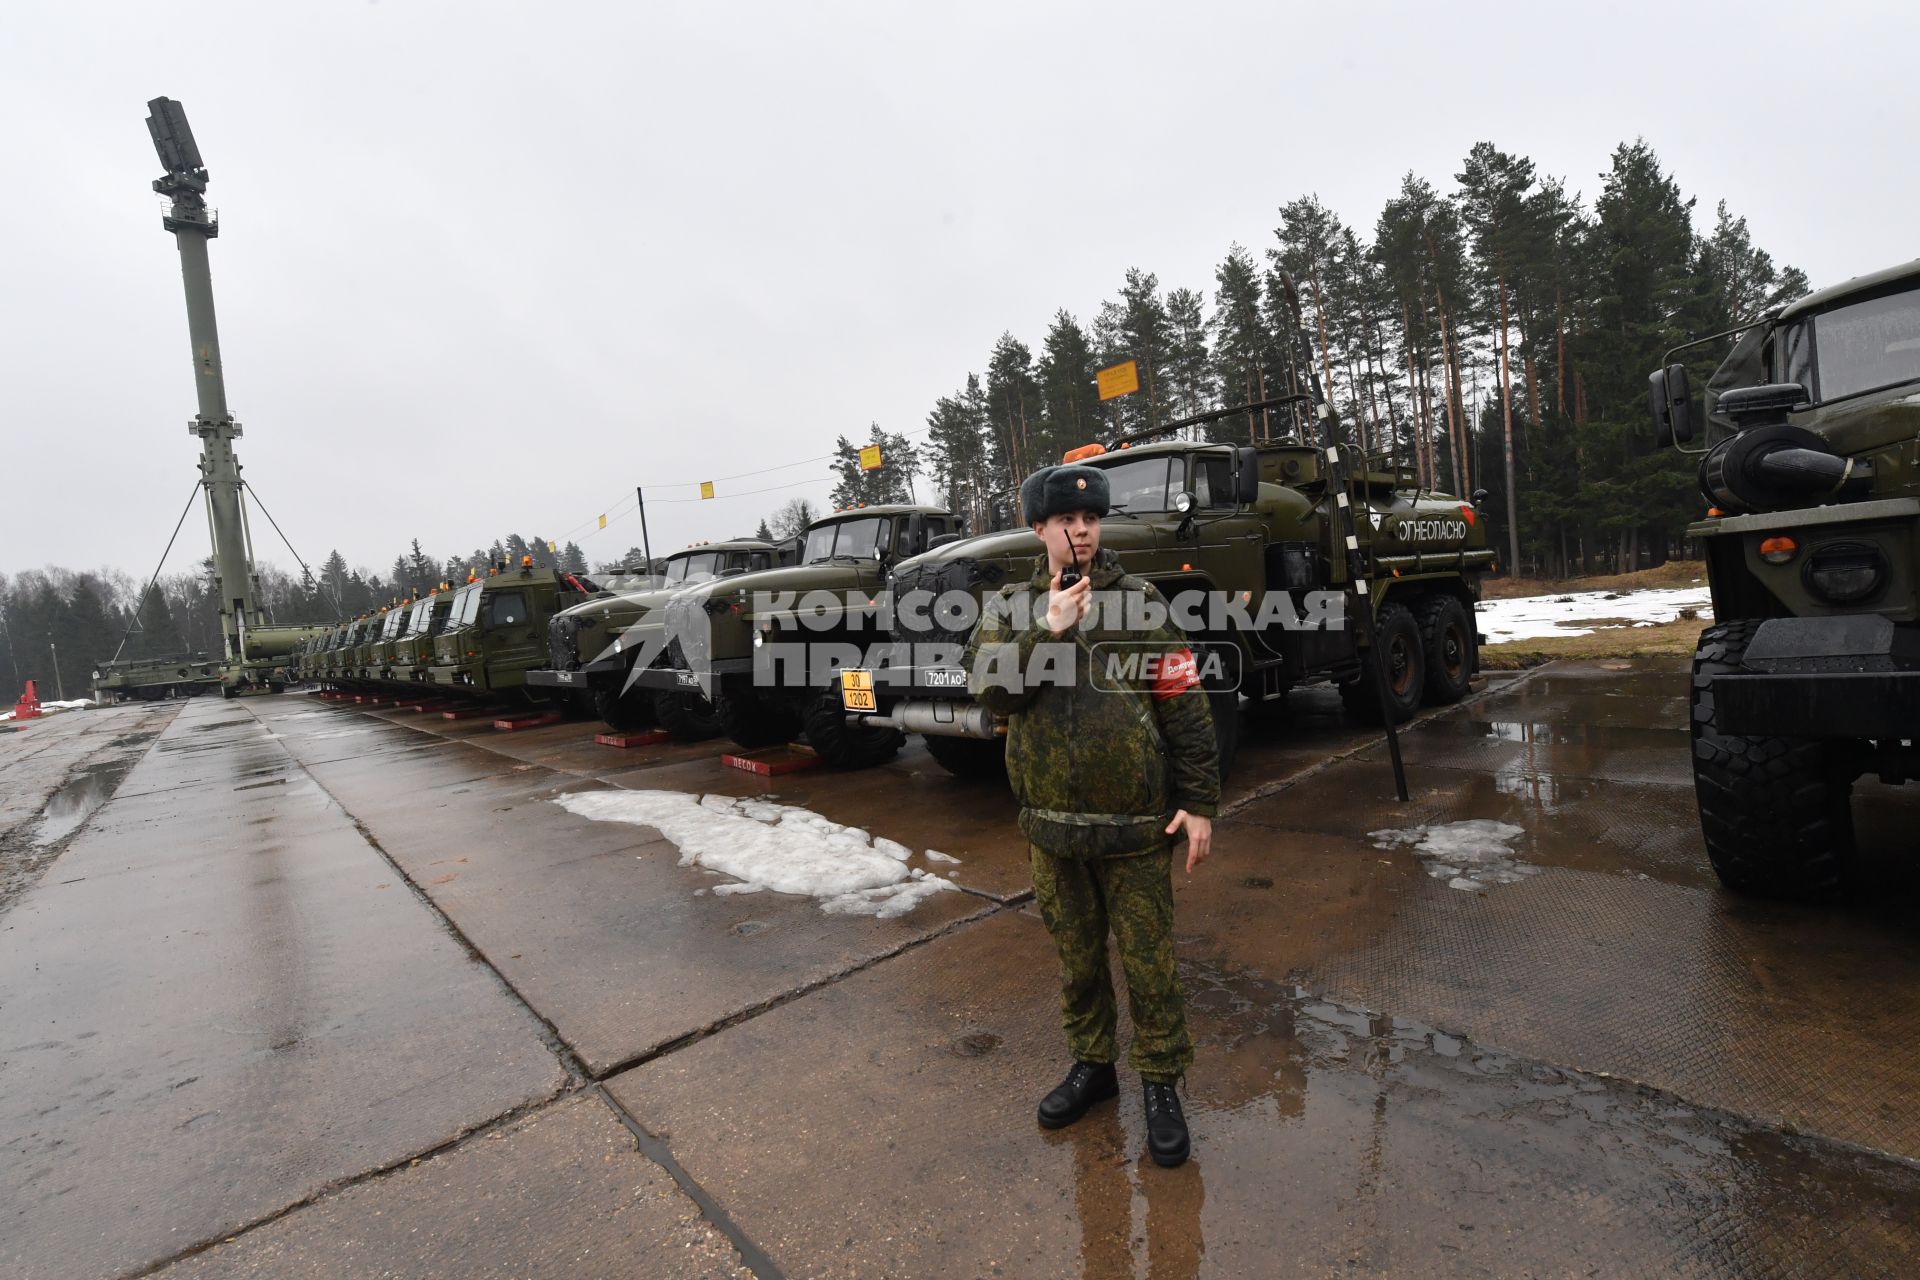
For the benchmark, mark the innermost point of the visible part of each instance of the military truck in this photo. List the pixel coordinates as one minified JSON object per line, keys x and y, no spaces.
{"x":1244,"y":536}
{"x":591,"y":647}
{"x":1810,"y":676}
{"x":825,"y":601}
{"x":413,"y":652}
{"x":151,"y":679}
{"x":496,"y":626}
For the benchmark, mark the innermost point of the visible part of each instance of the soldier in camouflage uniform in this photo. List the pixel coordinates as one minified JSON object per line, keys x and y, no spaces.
{"x":1109,"y":765}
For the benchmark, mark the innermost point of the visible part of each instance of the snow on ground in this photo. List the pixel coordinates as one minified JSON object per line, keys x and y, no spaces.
{"x":778,"y":847}
{"x":1468,"y":855}
{"x":1531,"y":617}
{"x":71,"y":704}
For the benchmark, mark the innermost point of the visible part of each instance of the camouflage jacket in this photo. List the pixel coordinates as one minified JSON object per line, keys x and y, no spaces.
{"x":1116,"y":736}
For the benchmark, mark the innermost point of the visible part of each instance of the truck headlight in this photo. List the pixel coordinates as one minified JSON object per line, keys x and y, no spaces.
{"x":1845,"y":572}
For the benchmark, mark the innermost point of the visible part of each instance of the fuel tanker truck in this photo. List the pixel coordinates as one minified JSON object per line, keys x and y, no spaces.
{"x":1244,"y":543}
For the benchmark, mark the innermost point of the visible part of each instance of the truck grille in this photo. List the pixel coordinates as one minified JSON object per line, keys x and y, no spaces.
{"x":563,"y":643}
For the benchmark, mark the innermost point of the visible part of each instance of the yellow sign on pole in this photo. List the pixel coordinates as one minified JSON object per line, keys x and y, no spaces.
{"x":706,"y":488}
{"x":870,"y":457}
{"x":603,"y":522}
{"x":1121,"y":379}
{"x":552,"y":550}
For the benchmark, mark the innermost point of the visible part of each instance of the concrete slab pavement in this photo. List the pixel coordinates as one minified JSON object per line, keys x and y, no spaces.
{"x":224,"y":1002}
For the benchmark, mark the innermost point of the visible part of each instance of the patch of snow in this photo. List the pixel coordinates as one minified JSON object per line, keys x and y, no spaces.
{"x":1530,"y":617}
{"x":934,"y":855}
{"x":1468,"y":855}
{"x":777,"y":847}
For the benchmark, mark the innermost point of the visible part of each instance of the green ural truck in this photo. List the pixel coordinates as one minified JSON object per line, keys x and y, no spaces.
{"x":592,"y":646}
{"x":717,"y":633}
{"x":338,"y":659}
{"x":496,"y":629}
{"x":1810,"y":676}
{"x":413,"y":650}
{"x":1240,"y":541}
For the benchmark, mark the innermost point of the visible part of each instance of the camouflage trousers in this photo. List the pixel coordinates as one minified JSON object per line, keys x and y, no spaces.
{"x":1081,"y":900}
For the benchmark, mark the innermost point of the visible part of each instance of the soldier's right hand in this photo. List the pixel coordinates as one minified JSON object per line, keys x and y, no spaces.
{"x":1066,"y":608}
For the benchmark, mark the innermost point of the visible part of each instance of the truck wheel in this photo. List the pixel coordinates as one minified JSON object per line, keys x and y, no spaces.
{"x":688,"y":717}
{"x":848,"y":746}
{"x":969,"y":757}
{"x":753,"y":722}
{"x":624,"y":715}
{"x":1225,"y":706}
{"x":1446,"y":633}
{"x":1396,"y":636}
{"x":1774,"y":811}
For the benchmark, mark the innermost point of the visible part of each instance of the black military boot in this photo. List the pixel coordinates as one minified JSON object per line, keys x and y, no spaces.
{"x":1166,"y":1126}
{"x":1086,"y":1084}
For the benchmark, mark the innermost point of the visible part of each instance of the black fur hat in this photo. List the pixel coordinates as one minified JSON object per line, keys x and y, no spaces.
{"x":1053,"y":491}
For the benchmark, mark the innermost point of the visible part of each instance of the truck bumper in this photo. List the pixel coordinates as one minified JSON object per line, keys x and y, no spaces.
{"x":1837,"y":704}
{"x":610,"y":674}
{"x":682,"y":680}
{"x":1847,"y":676}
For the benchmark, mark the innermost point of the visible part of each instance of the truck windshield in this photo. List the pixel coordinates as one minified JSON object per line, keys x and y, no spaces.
{"x":417,"y":622}
{"x":392,"y":627}
{"x":466,"y":605}
{"x":856,"y":538}
{"x":1854,"y":349}
{"x":694,"y":568}
{"x":1141,"y":485}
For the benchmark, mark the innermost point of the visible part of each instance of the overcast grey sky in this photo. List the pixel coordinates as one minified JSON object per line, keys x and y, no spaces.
{"x":485,"y":267}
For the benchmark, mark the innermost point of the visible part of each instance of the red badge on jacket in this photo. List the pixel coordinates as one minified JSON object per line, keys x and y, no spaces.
{"x":1178,"y":673}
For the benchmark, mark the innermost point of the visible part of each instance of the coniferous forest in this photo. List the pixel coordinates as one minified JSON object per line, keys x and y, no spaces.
{"x":1493,"y":331}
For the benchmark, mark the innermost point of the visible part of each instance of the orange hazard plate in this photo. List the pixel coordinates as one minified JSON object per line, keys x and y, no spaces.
{"x":856,"y":690}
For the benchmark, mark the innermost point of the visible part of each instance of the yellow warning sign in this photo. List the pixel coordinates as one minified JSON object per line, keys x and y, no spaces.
{"x":551,"y":549}
{"x":603,"y":522}
{"x":706,"y":488}
{"x":870,"y":457}
{"x":1121,"y":379}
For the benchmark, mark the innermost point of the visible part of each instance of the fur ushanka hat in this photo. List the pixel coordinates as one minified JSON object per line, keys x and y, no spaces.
{"x":1053,"y":491}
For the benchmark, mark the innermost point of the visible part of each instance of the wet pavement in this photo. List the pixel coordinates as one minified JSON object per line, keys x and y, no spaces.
{"x":323,"y":990}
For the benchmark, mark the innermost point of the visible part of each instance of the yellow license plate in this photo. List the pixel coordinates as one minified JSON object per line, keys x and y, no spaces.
{"x":856,"y":690}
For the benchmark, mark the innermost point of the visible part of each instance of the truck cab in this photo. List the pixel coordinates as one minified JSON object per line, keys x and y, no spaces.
{"x":1809,"y":472}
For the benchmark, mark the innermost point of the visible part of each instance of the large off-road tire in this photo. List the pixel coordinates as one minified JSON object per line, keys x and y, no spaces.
{"x":687,"y":717}
{"x":844,"y":745}
{"x":1447,"y":636}
{"x":1774,"y":811}
{"x":752,"y":721}
{"x":969,"y":757}
{"x":1396,"y":636}
{"x":1225,"y":705}
{"x":622,"y":714}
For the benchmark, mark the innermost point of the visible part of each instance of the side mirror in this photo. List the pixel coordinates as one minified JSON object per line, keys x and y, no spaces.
{"x":1670,"y":398}
{"x":1246,"y":476}
{"x":1183,"y":502}
{"x":1478,"y":496}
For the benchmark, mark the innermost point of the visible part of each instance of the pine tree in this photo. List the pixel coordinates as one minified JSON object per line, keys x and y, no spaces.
{"x":1016,"y":401}
{"x":762,"y":532}
{"x":1243,"y":348}
{"x":1495,"y":201}
{"x":1070,"y":400}
{"x":1189,"y":365}
{"x":158,"y":636}
{"x":573,"y":559}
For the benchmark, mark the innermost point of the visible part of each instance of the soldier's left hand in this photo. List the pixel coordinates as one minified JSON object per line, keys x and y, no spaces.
{"x":1199,"y":836}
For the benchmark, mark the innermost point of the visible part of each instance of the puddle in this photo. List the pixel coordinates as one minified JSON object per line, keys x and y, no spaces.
{"x":73,"y":804}
{"x":1468,"y":855}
